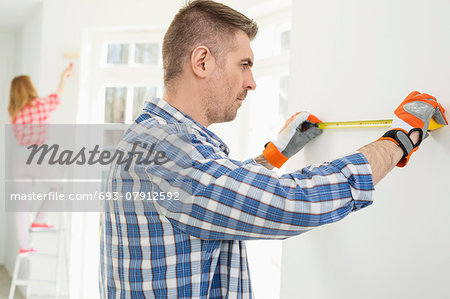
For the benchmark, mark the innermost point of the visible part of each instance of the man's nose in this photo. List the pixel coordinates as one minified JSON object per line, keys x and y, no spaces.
{"x":250,"y":83}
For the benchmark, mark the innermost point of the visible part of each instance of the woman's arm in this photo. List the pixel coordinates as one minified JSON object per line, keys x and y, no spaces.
{"x":66,"y":74}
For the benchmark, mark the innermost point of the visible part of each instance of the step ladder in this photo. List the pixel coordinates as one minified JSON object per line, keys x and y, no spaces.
{"x":61,"y":254}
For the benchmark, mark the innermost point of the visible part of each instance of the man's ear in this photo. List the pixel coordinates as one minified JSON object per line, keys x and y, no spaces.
{"x":202,"y":62}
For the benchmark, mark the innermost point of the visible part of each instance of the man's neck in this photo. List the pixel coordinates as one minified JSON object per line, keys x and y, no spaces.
{"x":188,"y":100}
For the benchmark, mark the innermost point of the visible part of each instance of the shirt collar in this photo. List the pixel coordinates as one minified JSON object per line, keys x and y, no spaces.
{"x":161,"y":108}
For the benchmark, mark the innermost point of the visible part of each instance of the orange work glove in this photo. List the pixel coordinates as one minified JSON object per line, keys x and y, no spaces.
{"x":414,"y":114}
{"x":299,"y":129}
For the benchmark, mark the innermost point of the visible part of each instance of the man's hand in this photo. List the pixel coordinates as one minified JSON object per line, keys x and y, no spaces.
{"x":296,"y":133}
{"x":413,"y":115}
{"x":405,"y":135}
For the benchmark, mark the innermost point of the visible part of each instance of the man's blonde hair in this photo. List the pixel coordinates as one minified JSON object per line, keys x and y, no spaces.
{"x":201,"y":22}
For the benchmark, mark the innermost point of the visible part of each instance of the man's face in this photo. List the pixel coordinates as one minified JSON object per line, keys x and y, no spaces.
{"x":230,"y":82}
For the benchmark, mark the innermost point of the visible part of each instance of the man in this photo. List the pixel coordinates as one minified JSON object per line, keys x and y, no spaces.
{"x":191,"y":246}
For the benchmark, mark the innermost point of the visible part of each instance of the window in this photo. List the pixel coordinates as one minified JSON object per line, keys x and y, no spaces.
{"x":133,"y":53}
{"x":123,"y":68}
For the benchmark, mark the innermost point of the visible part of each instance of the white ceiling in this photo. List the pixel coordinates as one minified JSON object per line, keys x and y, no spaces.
{"x":13,"y":13}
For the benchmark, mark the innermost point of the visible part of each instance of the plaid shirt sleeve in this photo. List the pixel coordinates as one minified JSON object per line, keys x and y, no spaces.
{"x":232,"y":200}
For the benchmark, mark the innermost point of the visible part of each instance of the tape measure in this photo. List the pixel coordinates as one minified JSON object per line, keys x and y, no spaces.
{"x":381,"y":123}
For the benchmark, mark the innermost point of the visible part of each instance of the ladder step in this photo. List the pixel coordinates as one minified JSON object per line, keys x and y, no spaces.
{"x":26,"y":282}
{"x":45,"y":255}
{"x":37,"y":230}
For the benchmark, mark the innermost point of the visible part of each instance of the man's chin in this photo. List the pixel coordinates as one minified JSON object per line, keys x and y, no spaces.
{"x":232,"y":116}
{"x":228,"y":118}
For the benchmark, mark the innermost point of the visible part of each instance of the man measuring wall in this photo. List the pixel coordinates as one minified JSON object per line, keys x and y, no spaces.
{"x":193,"y":247}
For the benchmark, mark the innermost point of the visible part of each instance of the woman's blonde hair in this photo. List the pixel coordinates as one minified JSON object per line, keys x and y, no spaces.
{"x":21,"y":94}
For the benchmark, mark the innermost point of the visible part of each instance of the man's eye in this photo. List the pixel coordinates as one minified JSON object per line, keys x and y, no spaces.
{"x":244,"y":65}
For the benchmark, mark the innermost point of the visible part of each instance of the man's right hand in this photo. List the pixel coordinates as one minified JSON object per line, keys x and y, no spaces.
{"x":299,"y":129}
{"x":413,"y":115}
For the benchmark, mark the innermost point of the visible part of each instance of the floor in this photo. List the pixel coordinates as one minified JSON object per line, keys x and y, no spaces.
{"x":5,"y":282}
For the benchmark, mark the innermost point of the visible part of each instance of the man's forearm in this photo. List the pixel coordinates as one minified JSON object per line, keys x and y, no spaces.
{"x":382,"y":155}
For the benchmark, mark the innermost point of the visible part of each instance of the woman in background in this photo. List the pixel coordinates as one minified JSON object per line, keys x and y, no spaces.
{"x":27,"y":108}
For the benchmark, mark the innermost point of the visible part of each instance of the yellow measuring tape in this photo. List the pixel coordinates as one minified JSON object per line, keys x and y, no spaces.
{"x":381,"y":123}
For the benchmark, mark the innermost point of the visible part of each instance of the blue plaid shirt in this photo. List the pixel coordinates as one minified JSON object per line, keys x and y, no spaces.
{"x":193,"y":246}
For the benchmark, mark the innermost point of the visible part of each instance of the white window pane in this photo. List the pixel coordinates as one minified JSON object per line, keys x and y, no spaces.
{"x":115,"y":104}
{"x":285,"y":40}
{"x":141,"y":94}
{"x":146,"y":53}
{"x":117,"y":54}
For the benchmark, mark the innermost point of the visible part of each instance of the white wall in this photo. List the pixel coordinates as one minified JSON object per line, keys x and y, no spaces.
{"x":29,"y":47}
{"x":357,"y":60}
{"x":7,"y":65}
